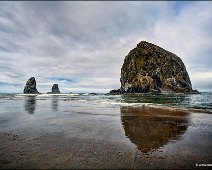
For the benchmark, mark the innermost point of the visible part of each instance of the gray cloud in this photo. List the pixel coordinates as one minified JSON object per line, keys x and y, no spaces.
{"x":86,"y":42}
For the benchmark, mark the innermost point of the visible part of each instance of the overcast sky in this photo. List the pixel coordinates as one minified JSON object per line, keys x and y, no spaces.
{"x":82,"y":45}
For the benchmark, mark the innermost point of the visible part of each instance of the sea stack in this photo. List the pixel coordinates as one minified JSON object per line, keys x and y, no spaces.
{"x":30,"y":87}
{"x":55,"y":89}
{"x":150,"y":68}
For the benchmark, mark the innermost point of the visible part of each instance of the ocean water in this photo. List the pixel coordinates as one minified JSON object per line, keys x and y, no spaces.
{"x":184,"y":101}
{"x":105,"y":131}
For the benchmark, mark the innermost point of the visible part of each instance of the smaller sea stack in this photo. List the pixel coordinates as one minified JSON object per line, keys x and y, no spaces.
{"x":30,"y":87}
{"x":55,"y":89}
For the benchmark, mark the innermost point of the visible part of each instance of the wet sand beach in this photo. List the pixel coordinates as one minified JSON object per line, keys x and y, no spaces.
{"x":55,"y":132}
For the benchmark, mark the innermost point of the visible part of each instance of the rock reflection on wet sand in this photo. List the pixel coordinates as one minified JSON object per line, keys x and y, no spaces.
{"x":30,"y":104}
{"x":54,"y":103}
{"x":151,"y":128}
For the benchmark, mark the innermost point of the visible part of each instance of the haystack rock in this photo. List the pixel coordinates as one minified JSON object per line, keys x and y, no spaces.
{"x":30,"y":87}
{"x":150,"y":68}
{"x":55,"y":89}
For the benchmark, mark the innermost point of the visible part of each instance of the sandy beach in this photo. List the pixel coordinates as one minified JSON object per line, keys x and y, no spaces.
{"x":59,"y":133}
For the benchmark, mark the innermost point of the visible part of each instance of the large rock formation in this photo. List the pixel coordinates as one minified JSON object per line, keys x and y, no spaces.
{"x":30,"y":87}
{"x":55,"y":89}
{"x":150,"y":68}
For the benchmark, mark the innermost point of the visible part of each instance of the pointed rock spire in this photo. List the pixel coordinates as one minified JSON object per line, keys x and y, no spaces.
{"x":30,"y":87}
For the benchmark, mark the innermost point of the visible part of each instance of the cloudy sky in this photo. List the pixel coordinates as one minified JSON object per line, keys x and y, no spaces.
{"x":82,"y":45}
